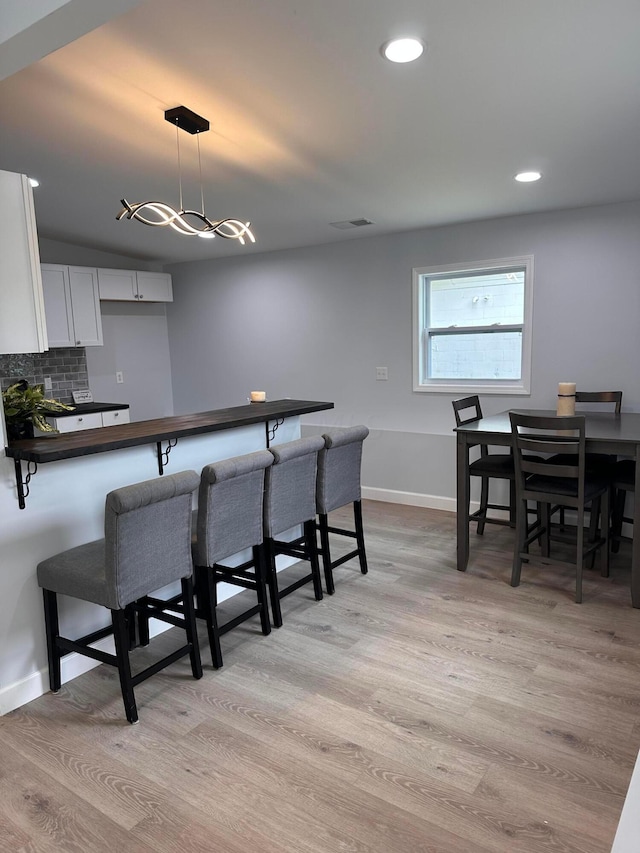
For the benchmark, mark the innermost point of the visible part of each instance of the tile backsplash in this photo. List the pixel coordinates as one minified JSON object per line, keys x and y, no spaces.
{"x":67,"y":367}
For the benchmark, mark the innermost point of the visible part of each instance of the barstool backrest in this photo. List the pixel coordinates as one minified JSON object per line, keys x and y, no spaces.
{"x":147,"y":533}
{"x":230,"y":503}
{"x":290,"y":484}
{"x":339,"y":464}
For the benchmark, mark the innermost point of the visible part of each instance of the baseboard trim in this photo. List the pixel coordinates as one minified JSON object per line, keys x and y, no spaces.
{"x":418,"y":499}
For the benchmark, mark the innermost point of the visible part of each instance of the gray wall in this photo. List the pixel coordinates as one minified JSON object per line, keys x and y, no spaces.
{"x":314,"y":323}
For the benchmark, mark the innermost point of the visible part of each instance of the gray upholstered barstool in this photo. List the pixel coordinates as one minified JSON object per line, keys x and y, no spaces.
{"x":338,"y":485}
{"x":229,"y":521}
{"x":146,"y":546}
{"x":290,"y":501}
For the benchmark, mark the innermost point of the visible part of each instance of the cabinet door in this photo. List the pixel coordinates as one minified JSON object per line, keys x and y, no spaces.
{"x":57,"y":305}
{"x":22,"y":318}
{"x":85,"y":307}
{"x":118,"y":285}
{"x":154,"y":287}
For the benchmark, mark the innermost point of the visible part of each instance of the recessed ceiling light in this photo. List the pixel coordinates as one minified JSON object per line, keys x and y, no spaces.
{"x":34,"y":183}
{"x":403,"y":50}
{"x":528,"y":177}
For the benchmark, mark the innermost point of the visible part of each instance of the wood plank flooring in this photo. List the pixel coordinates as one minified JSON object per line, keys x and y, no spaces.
{"x":418,"y":710}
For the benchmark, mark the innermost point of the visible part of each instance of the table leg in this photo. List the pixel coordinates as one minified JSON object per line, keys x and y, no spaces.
{"x":462,"y":500}
{"x":635,"y":550}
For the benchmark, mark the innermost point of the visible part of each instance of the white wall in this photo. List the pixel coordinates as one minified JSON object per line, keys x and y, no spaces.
{"x":314,"y":323}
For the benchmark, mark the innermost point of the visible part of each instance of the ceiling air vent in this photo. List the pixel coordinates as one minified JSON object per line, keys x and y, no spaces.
{"x":351,"y":223}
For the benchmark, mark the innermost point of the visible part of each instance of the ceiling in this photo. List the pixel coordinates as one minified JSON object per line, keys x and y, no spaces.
{"x":310,"y":125}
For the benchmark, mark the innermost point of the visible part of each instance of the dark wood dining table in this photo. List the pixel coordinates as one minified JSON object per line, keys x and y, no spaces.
{"x":605,"y":432}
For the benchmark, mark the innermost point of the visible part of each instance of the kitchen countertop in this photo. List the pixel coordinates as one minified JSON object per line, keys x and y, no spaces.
{"x":101,"y":440}
{"x":88,"y":409}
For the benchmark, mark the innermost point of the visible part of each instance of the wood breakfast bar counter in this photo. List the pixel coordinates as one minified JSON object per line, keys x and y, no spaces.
{"x":64,"y":481}
{"x":54,"y":447}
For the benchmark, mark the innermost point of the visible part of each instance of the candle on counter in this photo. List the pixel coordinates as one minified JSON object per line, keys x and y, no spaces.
{"x":260,"y":396}
{"x":566,"y":398}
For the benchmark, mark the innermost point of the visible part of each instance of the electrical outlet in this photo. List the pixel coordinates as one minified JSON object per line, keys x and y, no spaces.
{"x":48,"y":386}
{"x":382,"y":373}
{"x":119,"y":377}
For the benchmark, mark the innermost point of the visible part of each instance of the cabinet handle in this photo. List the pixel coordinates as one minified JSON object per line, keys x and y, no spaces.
{"x":141,"y":296}
{"x":80,"y":420}
{"x":115,"y":414}
{"x":78,"y":343}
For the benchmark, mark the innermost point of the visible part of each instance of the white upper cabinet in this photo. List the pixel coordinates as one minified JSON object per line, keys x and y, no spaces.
{"x":72,"y":306}
{"x":132,"y":285}
{"x":22,"y":321}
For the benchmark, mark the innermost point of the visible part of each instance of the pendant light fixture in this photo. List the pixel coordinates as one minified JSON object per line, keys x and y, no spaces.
{"x":189,"y":222}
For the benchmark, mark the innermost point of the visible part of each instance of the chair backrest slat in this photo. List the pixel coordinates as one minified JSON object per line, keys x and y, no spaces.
{"x":614,"y":397}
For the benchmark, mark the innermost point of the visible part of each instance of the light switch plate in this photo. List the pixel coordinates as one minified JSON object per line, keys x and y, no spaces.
{"x":84,"y":396}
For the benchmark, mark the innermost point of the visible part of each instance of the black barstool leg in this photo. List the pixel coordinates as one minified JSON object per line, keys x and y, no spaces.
{"x":143,"y":623}
{"x":323,"y":526}
{"x":312,"y":550}
{"x":121,"y":638}
{"x":272,"y":580}
{"x":130,"y":615}
{"x":52,"y":630}
{"x":362,"y":554}
{"x":261,"y":587}
{"x":191,"y":628}
{"x":207,"y":602}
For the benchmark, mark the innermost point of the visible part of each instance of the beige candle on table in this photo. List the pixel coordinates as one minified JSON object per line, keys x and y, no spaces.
{"x":258,"y":396}
{"x":566,"y":398}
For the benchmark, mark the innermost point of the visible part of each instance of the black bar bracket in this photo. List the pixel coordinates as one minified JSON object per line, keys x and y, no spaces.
{"x":23,"y":485}
{"x":163,"y":455}
{"x":271,"y":431}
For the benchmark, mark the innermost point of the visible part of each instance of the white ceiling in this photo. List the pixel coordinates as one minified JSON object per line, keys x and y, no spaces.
{"x":310,"y":125}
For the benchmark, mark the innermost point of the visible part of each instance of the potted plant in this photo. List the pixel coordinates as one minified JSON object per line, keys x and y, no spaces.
{"x":26,"y":407}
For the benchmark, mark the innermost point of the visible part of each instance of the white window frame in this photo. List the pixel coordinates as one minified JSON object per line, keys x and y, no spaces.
{"x":421,"y":381}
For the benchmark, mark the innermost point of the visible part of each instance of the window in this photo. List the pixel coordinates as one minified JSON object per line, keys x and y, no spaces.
{"x":472,"y":327}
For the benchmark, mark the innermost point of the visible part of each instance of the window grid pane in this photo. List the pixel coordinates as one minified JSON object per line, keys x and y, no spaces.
{"x":475,"y":356}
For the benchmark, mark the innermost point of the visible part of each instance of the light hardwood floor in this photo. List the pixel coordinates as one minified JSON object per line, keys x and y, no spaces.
{"x":417,"y":709}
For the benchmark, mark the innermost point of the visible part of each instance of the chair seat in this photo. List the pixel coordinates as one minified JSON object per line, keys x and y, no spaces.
{"x":79,"y":573}
{"x":565,"y":487}
{"x":495,"y":465}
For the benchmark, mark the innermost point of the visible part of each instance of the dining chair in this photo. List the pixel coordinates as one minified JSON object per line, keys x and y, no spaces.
{"x":594,"y":461}
{"x":551,"y":484}
{"x":597,"y":463}
{"x":290,"y":503}
{"x":228,"y":523}
{"x":338,"y":485}
{"x":487,"y":466}
{"x":146,"y":546}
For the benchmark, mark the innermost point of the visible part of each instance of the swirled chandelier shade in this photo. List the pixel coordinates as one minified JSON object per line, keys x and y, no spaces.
{"x":189,"y":222}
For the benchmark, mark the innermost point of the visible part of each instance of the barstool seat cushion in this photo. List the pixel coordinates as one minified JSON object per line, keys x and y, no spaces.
{"x":78,"y":572}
